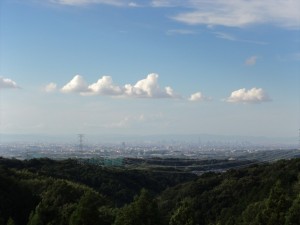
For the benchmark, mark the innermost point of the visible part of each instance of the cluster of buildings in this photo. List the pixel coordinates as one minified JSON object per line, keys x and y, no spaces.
{"x":208,"y":150}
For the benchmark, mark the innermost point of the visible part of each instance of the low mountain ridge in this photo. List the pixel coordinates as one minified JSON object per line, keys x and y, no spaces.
{"x":44,"y":191}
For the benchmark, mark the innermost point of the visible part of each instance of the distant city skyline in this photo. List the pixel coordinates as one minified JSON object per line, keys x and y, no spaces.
{"x":177,"y":67}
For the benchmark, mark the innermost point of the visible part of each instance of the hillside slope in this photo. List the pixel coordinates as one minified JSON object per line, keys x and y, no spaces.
{"x":44,"y":191}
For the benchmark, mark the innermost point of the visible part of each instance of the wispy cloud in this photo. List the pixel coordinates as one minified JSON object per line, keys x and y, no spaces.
{"x":167,"y":3}
{"x":124,"y":122}
{"x":231,"y":37}
{"x":6,"y":83}
{"x":134,"y":4}
{"x":254,"y":95}
{"x":137,"y":121}
{"x":180,"y":32}
{"x":225,"y":36}
{"x":89,"y":2}
{"x":251,"y":61}
{"x":239,"y":13}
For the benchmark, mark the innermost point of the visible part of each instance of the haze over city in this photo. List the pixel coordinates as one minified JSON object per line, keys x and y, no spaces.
{"x":155,"y":67}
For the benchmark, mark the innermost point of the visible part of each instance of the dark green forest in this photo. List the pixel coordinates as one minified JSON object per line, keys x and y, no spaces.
{"x":50,"y":192}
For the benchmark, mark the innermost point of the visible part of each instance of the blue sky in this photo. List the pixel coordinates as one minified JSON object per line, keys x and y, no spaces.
{"x":150,"y":67}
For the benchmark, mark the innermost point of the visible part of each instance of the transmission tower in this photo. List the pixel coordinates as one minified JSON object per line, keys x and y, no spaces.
{"x":80,"y":137}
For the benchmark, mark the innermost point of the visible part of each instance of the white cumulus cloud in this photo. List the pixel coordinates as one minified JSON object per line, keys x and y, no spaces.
{"x":105,"y":86}
{"x":254,"y":95}
{"x":145,"y":88}
{"x":50,"y":87}
{"x":77,"y":84}
{"x":198,"y":97}
{"x":7,"y":83}
{"x":148,"y":88}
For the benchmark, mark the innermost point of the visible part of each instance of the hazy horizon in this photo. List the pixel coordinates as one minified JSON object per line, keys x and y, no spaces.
{"x":199,"y":139}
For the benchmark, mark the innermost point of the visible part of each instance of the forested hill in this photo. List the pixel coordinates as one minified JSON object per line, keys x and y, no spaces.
{"x":44,"y":191}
